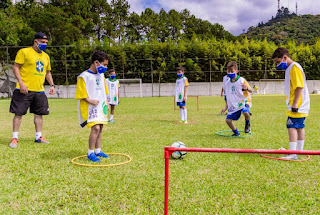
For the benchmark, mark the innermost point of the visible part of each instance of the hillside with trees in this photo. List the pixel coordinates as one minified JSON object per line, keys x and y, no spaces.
{"x":68,"y":21}
{"x":287,"y":26}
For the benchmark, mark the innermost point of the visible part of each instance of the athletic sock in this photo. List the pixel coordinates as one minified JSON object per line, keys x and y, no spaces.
{"x":181,"y":114}
{"x":293,"y":145}
{"x":90,"y":151}
{"x":300,"y":144}
{"x":111,"y":117}
{"x":236,"y":132}
{"x":248,"y":122}
{"x":15,"y":135}
{"x":97,"y":150}
{"x":38,"y":135}
{"x":185,"y":114}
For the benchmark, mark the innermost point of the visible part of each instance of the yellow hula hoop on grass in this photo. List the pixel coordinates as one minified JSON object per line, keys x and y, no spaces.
{"x":103,"y":165}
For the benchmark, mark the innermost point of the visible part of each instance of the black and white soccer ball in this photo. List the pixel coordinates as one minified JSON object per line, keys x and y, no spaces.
{"x":178,"y":154}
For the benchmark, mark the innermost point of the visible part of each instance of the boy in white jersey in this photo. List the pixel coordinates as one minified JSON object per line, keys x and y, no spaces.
{"x":93,"y":104}
{"x":114,"y":94}
{"x":180,"y":93}
{"x":297,"y":99}
{"x":237,"y":91}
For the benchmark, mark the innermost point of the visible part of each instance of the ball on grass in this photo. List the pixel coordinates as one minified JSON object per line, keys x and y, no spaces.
{"x":178,"y":154}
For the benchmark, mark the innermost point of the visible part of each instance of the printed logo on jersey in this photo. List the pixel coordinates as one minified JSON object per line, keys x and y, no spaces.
{"x":39,"y":66}
{"x":98,"y":82}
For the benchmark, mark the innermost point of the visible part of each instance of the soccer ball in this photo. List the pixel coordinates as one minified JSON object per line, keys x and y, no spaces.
{"x":178,"y":154}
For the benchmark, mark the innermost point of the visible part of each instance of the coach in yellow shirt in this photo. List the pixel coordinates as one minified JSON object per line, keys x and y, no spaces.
{"x":31,"y":68}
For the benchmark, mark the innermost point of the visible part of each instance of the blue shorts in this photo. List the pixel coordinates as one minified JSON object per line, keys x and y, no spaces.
{"x":295,"y":122}
{"x":181,"y":103}
{"x":236,"y":115}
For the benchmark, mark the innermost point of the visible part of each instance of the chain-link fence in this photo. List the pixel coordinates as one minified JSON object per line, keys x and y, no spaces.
{"x":151,"y":63}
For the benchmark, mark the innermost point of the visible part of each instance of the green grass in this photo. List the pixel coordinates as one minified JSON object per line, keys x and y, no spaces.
{"x":40,"y":178}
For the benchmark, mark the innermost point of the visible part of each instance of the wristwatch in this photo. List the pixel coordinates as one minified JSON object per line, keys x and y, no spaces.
{"x":54,"y":86}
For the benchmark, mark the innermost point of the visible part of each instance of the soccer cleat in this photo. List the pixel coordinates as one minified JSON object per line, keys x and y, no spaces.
{"x":93,"y":157}
{"x":14,"y":143}
{"x":103,"y":155}
{"x":112,"y":121}
{"x":247,"y":128}
{"x":41,"y":140}
{"x":235,"y":135}
{"x":185,"y":122}
{"x":290,"y":157}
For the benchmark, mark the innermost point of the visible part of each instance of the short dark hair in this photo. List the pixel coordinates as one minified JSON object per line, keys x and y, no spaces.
{"x":111,"y":70}
{"x":180,"y":68}
{"x":280,"y":52}
{"x":99,"y":56}
{"x":232,"y":64}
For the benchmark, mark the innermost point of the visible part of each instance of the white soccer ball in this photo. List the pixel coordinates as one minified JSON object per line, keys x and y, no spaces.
{"x":178,"y":154}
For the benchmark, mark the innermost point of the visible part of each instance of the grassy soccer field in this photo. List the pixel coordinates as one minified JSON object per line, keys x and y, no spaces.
{"x":40,"y":178}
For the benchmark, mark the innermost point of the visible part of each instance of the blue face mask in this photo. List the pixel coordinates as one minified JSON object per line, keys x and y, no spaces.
{"x":282,"y":65}
{"x":231,"y":75}
{"x":112,"y":76}
{"x":102,"y":69}
{"x":42,"y":46}
{"x":180,"y":75}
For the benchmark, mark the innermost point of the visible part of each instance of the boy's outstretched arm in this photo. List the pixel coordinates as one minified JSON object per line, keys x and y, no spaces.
{"x":185,"y":93}
{"x":297,"y":95}
{"x":224,"y":109}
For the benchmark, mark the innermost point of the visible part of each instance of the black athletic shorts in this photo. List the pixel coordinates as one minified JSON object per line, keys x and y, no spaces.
{"x":37,"y":102}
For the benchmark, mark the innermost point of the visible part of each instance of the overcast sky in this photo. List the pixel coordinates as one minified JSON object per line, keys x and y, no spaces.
{"x":234,"y":15}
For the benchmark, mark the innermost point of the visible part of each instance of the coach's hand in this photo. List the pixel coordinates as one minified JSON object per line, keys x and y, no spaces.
{"x":52,"y":90}
{"x":23,"y":88}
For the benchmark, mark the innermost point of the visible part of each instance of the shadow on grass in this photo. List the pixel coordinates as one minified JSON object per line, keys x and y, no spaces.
{"x":61,"y":154}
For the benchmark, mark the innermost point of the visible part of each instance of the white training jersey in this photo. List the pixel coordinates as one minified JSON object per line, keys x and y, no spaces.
{"x":95,"y":87}
{"x":179,"y":89}
{"x":305,"y":103}
{"x":113,"y":87}
{"x":236,"y":99}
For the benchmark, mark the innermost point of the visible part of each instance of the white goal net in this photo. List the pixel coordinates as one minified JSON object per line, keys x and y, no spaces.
{"x":131,"y":87}
{"x":271,"y":86}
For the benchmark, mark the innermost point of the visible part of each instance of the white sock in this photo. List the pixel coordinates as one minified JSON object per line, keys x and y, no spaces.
{"x":185,"y":114}
{"x":15,"y":135}
{"x":300,"y":144}
{"x":90,"y":151}
{"x":97,"y":150}
{"x":181,"y":114}
{"x":38,"y":135}
{"x":293,"y":145}
{"x":111,"y":117}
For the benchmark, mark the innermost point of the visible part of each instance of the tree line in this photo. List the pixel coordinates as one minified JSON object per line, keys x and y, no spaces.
{"x":150,"y":48}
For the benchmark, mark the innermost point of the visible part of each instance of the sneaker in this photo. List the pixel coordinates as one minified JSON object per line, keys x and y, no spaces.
{"x":41,"y":140}
{"x":14,"y":143}
{"x":103,"y":155}
{"x":112,"y":121}
{"x":93,"y":157}
{"x":290,"y":157}
{"x":247,"y":128}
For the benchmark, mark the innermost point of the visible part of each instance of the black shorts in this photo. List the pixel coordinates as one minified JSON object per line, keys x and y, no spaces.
{"x":37,"y":102}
